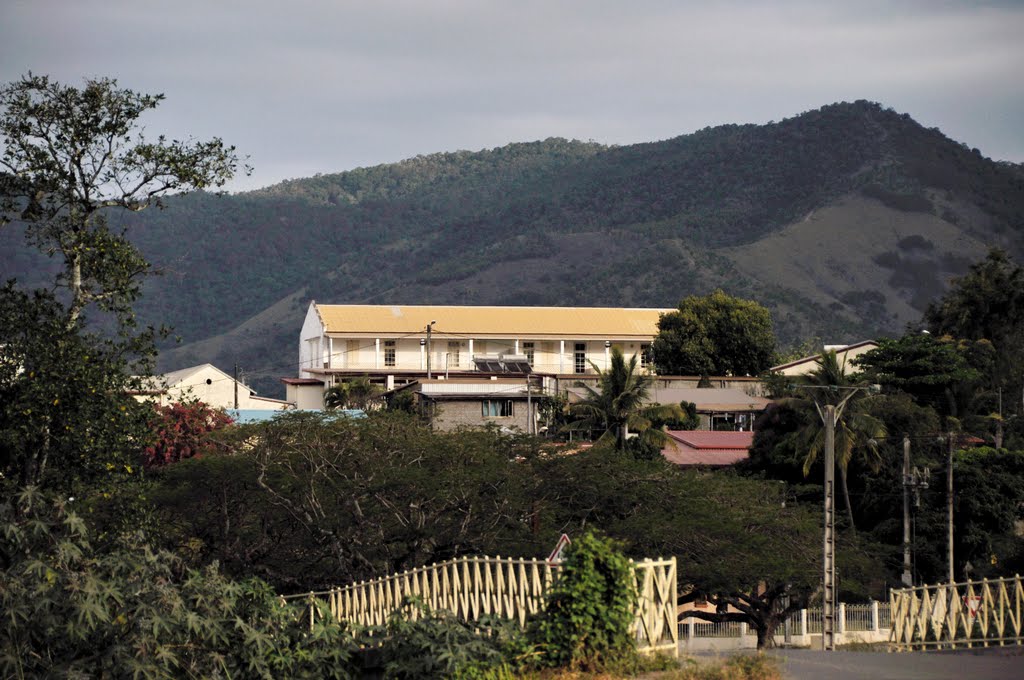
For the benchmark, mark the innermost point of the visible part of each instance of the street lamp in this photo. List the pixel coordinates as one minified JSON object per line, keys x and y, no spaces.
{"x":830,"y":414}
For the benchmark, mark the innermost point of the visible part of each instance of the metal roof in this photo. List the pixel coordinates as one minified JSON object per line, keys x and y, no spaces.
{"x":499,"y":322}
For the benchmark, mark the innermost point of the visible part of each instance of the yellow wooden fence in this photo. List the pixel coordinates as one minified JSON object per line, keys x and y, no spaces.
{"x":969,"y":614}
{"x":510,"y":588}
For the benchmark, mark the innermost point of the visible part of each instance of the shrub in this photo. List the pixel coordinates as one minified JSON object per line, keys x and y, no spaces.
{"x":70,"y":611}
{"x":589,"y":609}
{"x":421,"y":643}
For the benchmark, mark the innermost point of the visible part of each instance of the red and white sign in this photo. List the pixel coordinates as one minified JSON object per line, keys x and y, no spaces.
{"x":556,"y":555}
{"x":973,"y":604}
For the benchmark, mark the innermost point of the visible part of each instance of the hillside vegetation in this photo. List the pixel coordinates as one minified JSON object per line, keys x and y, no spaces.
{"x":844,"y":221}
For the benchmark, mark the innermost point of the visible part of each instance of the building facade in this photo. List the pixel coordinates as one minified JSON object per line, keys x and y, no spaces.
{"x":395,"y":344}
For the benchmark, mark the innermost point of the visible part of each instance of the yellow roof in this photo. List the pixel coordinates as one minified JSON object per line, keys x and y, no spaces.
{"x":498,"y":322}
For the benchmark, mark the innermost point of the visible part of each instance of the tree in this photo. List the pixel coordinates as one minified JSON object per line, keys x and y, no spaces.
{"x":68,"y":157}
{"x":73,"y":611}
{"x":66,"y":416}
{"x":357,"y":393}
{"x":986,"y":306}
{"x":938,"y":372}
{"x":71,"y":155}
{"x":716,"y":334}
{"x":182,"y":431}
{"x":618,"y":401}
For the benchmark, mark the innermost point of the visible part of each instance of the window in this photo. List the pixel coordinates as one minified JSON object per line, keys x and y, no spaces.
{"x":389,"y":352}
{"x":645,"y":356}
{"x":580,"y":357}
{"x":453,"y":353}
{"x":496,"y":408}
{"x":528,"y":351}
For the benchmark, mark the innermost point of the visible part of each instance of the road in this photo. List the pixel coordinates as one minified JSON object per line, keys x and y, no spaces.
{"x":1005,"y":663}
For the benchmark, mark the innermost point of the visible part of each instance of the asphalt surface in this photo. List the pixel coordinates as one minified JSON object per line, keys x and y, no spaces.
{"x":1006,"y":663}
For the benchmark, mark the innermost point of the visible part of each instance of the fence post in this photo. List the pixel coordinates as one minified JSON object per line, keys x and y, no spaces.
{"x":803,"y":622}
{"x":691,"y":630}
{"x":842,"y":618}
{"x":874,"y":616}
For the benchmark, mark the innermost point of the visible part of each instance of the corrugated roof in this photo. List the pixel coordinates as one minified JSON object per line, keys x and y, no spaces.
{"x":707,"y":448}
{"x":504,"y":322}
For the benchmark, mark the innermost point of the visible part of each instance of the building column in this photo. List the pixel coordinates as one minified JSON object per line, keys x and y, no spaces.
{"x":607,"y":354}
{"x":561,"y":356}
{"x":471,"y":353}
{"x":515,"y":349}
{"x":330,"y":352}
{"x":423,"y":354}
{"x":376,"y":352}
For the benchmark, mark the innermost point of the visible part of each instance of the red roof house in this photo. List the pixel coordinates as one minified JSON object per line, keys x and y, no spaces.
{"x":702,"y":447}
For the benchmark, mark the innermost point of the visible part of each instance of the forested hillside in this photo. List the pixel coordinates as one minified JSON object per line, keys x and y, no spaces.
{"x":844,"y":221}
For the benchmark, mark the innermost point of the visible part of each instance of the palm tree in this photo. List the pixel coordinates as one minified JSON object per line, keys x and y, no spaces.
{"x":618,"y":403}
{"x":856,"y":431}
{"x":357,"y":393}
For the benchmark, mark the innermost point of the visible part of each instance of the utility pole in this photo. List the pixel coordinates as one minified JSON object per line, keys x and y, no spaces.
{"x":236,"y":387}
{"x":949,"y":504}
{"x":430,"y":326}
{"x":908,"y":577}
{"x":828,"y":605}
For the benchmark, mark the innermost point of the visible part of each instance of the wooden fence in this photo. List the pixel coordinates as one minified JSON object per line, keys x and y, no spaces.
{"x":968,"y":614}
{"x":510,"y":588}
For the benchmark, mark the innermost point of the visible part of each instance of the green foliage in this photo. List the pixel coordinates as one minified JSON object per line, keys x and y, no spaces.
{"x":716,"y":334}
{"x":422,"y":643}
{"x":357,"y":393}
{"x":940,"y":373}
{"x":616,"y":403}
{"x":987,"y":304}
{"x":70,"y":155}
{"x":736,"y":667}
{"x":316,"y":500}
{"x":70,"y":611}
{"x":590,"y":608}
{"x":183,"y":430}
{"x":66,"y":418}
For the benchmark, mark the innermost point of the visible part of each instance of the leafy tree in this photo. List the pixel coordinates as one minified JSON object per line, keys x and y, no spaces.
{"x":316,"y":499}
{"x":716,"y":334}
{"x":182,"y":431}
{"x":69,"y":155}
{"x":937,"y":372}
{"x":73,"y":611}
{"x":985,"y":304}
{"x":66,"y":418}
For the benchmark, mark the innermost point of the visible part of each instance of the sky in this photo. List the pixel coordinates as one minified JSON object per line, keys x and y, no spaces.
{"x":321,"y":86}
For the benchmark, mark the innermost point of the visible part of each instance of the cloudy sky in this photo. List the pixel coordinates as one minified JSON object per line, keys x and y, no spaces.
{"x":308,"y":86}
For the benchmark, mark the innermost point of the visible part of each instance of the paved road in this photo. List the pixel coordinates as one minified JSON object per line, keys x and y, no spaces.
{"x":1006,"y":663}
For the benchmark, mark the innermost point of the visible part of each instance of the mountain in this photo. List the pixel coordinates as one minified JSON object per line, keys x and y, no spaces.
{"x":844,"y":221}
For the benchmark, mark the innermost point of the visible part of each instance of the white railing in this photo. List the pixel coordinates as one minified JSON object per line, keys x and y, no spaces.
{"x":973,"y":613}
{"x":510,"y":588}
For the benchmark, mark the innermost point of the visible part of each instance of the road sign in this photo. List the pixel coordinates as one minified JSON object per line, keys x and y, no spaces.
{"x":973,"y":604}
{"x":556,"y":555}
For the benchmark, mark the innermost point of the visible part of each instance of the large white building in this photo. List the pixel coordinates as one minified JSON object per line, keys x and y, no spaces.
{"x":392,"y":343}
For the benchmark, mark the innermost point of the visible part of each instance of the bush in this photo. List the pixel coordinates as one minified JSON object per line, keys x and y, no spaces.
{"x":590,"y":609}
{"x":70,"y":611}
{"x":421,"y":643}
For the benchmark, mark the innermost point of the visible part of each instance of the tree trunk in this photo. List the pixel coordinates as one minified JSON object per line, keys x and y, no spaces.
{"x":846,"y":498}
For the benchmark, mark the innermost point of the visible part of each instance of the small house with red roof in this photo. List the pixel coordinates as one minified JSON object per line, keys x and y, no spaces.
{"x":707,"y":448}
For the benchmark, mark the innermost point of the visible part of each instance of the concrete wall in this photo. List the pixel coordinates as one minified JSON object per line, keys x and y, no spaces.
{"x":453,"y":414}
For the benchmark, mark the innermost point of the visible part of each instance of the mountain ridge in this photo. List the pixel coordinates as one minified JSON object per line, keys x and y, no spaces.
{"x":567,"y":222}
